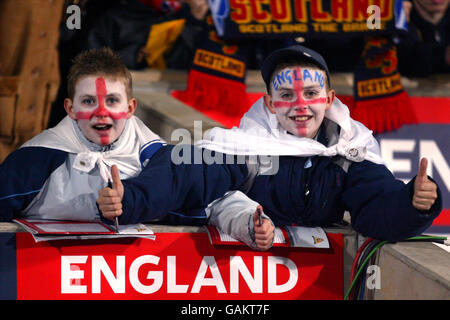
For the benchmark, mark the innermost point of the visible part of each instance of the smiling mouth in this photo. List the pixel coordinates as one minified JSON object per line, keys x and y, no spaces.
{"x":300,"y":118}
{"x":102,"y":127}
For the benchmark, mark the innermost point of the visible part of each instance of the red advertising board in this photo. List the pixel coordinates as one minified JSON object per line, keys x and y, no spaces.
{"x":175,"y":266}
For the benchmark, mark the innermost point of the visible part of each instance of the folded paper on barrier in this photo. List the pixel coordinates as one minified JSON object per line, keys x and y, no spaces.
{"x":288,"y":236}
{"x":46,"y":230}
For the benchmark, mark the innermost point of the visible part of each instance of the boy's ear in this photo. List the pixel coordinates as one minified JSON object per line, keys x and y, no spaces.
{"x":132,"y":105}
{"x":268,"y":103}
{"x":331,"y":94}
{"x":68,"y":106}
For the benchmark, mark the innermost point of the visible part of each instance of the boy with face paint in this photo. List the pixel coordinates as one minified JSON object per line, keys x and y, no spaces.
{"x":57,"y":174}
{"x":327,"y":164}
{"x":100,"y":107}
{"x":299,"y":97}
{"x":335,"y":164}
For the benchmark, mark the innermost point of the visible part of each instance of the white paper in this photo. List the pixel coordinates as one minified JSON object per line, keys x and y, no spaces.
{"x":125,"y":231}
{"x":39,"y":238}
{"x":224,"y":237}
{"x":443,"y":246}
{"x":303,"y":237}
{"x":440,"y":245}
{"x":278,"y":236}
{"x":135,"y":229}
{"x":72,"y":227}
{"x":307,"y":237}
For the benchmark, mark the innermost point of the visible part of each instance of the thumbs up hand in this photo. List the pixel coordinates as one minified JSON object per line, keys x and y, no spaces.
{"x":425,"y":190}
{"x":264,"y":231}
{"x":110,"y":199}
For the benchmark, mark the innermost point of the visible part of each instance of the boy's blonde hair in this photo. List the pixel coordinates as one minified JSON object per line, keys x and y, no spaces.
{"x":101,"y":62}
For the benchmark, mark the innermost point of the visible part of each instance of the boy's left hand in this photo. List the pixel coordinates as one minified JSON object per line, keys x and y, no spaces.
{"x":264,"y":233}
{"x":425,"y":190}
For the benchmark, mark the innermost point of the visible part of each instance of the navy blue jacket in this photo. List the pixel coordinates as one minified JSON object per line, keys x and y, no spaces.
{"x":178,"y":194}
{"x":380,"y":206}
{"x":22,"y":176}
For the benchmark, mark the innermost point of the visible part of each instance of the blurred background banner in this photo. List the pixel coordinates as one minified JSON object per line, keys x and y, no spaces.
{"x":291,"y":18}
{"x":380,"y":101}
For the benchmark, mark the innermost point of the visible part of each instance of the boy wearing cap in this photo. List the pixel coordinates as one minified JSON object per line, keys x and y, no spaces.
{"x":328,"y":163}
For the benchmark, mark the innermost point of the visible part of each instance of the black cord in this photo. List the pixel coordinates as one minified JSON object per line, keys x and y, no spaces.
{"x":359,"y":282}
{"x":365,"y":253}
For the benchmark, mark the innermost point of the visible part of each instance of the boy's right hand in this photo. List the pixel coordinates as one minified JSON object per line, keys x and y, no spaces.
{"x":110,"y":200}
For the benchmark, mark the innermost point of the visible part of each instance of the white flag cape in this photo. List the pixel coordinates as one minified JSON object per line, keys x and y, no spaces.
{"x":125,"y":154}
{"x":259,"y":133}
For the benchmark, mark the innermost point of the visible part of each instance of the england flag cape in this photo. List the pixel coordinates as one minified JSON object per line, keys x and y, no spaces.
{"x":125,"y":154}
{"x":259,"y":133}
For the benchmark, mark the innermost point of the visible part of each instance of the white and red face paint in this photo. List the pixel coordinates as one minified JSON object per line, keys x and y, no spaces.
{"x":100,"y":107}
{"x":299,"y":100}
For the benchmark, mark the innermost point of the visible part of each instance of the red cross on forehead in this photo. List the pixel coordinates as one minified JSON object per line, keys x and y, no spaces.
{"x":100,"y":87}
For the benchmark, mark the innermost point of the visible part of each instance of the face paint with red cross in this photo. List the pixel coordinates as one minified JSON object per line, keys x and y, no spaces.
{"x":299,"y":99}
{"x":100,"y":107}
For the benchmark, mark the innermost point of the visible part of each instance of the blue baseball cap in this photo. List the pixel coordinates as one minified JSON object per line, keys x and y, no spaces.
{"x":296,"y":51}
